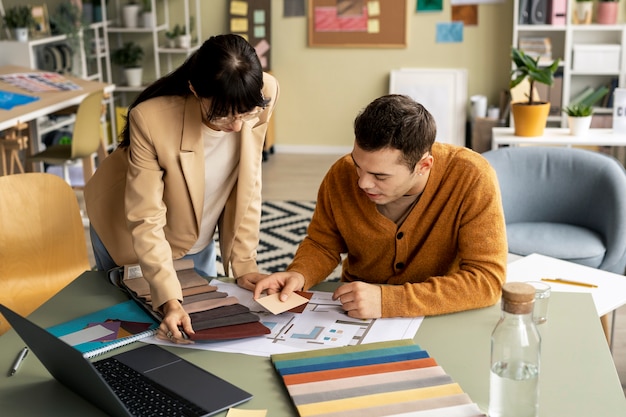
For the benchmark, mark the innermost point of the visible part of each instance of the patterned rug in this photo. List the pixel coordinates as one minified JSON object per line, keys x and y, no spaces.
{"x":283,"y":226}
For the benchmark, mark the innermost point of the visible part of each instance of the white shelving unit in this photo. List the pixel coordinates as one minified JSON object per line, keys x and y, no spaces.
{"x":161,"y":54}
{"x":88,"y":63}
{"x":568,"y":37}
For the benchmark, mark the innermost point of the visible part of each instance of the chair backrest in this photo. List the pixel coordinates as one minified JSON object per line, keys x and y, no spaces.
{"x":87,"y":134}
{"x":564,"y":185}
{"x":42,"y":240}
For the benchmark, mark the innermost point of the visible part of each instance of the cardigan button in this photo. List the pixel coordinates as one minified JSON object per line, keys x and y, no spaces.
{"x":400,"y":235}
{"x":400,"y":265}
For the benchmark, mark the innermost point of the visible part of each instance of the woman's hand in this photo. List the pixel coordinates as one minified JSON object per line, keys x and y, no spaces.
{"x":174,"y":318}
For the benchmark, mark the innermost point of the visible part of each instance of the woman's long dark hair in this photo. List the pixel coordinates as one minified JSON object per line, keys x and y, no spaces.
{"x":225,"y":69}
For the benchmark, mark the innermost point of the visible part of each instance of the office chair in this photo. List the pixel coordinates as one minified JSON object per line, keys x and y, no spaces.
{"x":565,"y":203}
{"x":86,"y":139}
{"x":42,"y":240}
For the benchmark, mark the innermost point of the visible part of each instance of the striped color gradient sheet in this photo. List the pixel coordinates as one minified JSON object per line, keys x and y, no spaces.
{"x":395,"y":378}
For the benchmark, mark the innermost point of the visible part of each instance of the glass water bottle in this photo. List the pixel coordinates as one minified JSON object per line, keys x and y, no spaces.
{"x":515,"y":352}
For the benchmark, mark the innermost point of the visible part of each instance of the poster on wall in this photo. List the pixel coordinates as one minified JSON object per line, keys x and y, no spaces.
{"x":358,"y":23}
{"x":252,"y":20}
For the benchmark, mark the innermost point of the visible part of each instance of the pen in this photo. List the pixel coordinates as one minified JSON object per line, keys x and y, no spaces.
{"x":18,"y":361}
{"x":566,"y":281}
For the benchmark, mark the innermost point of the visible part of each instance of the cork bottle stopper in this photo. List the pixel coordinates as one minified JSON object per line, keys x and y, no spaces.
{"x":518,"y":297}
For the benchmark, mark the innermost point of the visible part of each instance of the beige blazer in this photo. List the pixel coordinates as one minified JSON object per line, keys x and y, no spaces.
{"x":145,"y":202}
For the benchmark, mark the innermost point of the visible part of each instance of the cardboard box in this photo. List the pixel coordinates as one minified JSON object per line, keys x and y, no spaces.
{"x":597,"y":58}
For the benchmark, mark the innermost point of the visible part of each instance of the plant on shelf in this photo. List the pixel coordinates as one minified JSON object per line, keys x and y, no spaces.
{"x":583,"y":12}
{"x":172,"y":35}
{"x":129,"y":57}
{"x":530,"y":117}
{"x":607,"y":11}
{"x":19,"y":17}
{"x":579,"y":114}
{"x":20,"y":20}
{"x":67,"y":20}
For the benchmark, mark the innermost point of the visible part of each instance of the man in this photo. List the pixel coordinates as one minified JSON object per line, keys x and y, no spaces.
{"x":421,"y":222}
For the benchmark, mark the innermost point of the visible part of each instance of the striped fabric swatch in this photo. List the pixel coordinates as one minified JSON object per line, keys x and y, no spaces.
{"x":395,"y":378}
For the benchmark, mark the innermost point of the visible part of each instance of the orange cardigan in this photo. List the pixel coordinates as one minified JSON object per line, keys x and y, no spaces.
{"x":449,"y":254}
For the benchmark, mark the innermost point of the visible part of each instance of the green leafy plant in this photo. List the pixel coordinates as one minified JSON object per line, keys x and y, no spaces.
{"x":584,"y":108}
{"x":19,"y":17}
{"x":174,"y":33}
{"x":527,"y":67}
{"x":128,"y":56}
{"x":147,"y":5}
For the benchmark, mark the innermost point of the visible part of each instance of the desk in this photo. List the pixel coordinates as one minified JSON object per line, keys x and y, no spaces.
{"x":578,"y":377}
{"x":557,"y":137}
{"x":49,"y":102}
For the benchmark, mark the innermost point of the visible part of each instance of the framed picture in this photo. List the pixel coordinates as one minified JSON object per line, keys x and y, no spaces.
{"x":358,"y":23}
{"x":42,"y":23}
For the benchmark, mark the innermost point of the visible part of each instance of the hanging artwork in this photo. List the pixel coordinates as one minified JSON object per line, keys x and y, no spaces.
{"x":358,"y":23}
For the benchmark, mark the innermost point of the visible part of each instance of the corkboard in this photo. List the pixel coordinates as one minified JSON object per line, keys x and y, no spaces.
{"x":357,"y":23}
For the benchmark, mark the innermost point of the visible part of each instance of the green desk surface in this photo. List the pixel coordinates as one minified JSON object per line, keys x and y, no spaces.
{"x":578,"y":377}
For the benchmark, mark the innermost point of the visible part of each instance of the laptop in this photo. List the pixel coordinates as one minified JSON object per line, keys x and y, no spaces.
{"x":198,"y":391}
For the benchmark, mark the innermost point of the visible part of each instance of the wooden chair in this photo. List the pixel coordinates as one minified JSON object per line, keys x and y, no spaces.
{"x":42,"y":240}
{"x":12,"y":143}
{"x":86,"y":139}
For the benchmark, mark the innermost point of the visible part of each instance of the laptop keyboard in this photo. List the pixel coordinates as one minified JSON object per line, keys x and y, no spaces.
{"x":140,"y":395}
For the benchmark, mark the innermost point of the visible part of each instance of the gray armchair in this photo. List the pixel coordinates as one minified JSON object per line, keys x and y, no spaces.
{"x":564,"y":203}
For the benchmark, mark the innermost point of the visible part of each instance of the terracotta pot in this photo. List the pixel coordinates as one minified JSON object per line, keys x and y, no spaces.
{"x":607,"y":12}
{"x":530,"y":121}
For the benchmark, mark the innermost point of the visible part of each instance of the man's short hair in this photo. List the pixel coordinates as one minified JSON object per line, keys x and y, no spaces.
{"x":398,"y":122}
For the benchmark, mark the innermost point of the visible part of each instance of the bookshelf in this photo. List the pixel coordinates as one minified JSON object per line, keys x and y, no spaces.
{"x":591,"y":54}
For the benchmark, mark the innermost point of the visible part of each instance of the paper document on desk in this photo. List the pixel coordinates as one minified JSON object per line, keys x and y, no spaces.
{"x":323,"y":324}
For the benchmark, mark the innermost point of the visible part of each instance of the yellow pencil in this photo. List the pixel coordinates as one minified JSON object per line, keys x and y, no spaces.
{"x":566,"y":281}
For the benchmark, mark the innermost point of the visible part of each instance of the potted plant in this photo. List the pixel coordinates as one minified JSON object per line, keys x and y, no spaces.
{"x":530,"y":117}
{"x":579,"y":114}
{"x":147,"y":14}
{"x":20,"y":20}
{"x":607,"y":11}
{"x":172,"y":36}
{"x":583,"y":12}
{"x":130,"y":14}
{"x":129,"y":58}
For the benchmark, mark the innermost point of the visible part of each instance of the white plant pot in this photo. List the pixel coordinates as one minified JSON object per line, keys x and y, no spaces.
{"x":579,"y":126}
{"x":171,"y":42}
{"x":133,"y":76}
{"x":148,"y":19}
{"x":183,"y":41}
{"x":130,"y":15}
{"x":21,"y":34}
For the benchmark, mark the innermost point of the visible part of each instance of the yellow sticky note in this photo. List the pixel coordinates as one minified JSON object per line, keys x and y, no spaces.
{"x":239,"y":8}
{"x":373,"y":26}
{"x":238,"y":25}
{"x":373,"y":8}
{"x":235,"y":412}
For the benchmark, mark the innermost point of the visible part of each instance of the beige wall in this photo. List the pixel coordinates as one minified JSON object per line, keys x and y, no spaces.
{"x":322,"y":89}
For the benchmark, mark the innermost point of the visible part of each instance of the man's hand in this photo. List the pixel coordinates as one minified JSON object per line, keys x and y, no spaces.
{"x":360,"y":300}
{"x":284,"y":283}
{"x":249,"y":281}
{"x":174,"y":318}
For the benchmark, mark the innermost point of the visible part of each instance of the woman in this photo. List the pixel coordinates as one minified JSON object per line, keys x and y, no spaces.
{"x":189,"y":161}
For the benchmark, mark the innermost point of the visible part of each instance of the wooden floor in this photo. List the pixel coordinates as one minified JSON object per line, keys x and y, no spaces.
{"x":297,"y":177}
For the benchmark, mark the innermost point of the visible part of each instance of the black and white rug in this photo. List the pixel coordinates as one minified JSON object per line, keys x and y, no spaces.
{"x":283,"y":226}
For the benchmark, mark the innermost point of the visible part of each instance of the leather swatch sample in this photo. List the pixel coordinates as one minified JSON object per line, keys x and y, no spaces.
{"x":237,"y":331}
{"x":209,"y":304}
{"x":204,"y":296}
{"x":226,"y":321}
